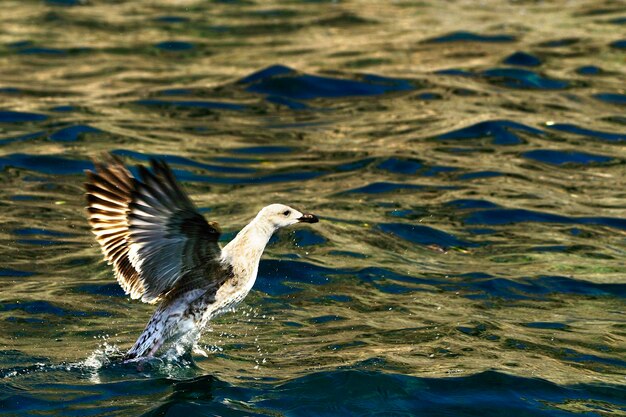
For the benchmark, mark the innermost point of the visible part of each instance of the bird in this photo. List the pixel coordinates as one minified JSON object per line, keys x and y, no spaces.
{"x":164,"y":252}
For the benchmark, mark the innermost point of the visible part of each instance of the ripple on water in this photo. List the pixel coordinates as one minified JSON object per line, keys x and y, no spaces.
{"x":523,"y":79}
{"x":108,"y":290}
{"x":484,"y":286}
{"x":46,"y":164}
{"x":577,"y":130}
{"x":424,"y":235}
{"x":175,"y":46}
{"x":228,"y":170}
{"x":612,"y":98}
{"x":589,"y":70}
{"x":456,"y":72}
{"x":171,"y":19}
{"x":8,"y":116}
{"x":46,"y":307}
{"x":31,"y":231}
{"x":620,"y":44}
{"x":264,"y":150}
{"x":384,"y":187}
{"x":464,"y":36}
{"x":305,"y":237}
{"x":563,"y":157}
{"x":501,"y":132}
{"x":354,"y":165}
{"x":179,"y":160}
{"x":280,"y":81}
{"x":190,"y":104}
{"x":72,"y":133}
{"x":359,"y":392}
{"x":63,"y":109}
{"x":65,"y":2}
{"x":503,"y":216}
{"x":559,"y":43}
{"x":38,"y":50}
{"x":547,"y":325}
{"x":406,"y":166}
{"x":277,"y":277}
{"x":515,"y":78}
{"x":9,"y":272}
{"x":283,"y":101}
{"x":354,"y":392}
{"x":522,"y":59}
{"x":480,"y":174}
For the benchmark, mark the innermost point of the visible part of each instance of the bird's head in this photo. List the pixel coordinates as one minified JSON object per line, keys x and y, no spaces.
{"x":280,"y":215}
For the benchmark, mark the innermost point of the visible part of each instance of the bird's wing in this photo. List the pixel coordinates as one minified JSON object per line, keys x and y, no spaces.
{"x":148,"y":228}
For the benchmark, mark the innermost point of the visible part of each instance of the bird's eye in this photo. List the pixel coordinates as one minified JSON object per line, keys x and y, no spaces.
{"x":286,"y":213}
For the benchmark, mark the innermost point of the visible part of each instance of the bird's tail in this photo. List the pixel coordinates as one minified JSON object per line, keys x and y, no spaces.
{"x":167,"y":326}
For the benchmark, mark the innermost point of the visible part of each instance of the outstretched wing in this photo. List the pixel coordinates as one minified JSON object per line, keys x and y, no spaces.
{"x":148,"y":228}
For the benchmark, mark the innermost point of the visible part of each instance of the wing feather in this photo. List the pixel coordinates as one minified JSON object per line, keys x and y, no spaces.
{"x":149,"y":229}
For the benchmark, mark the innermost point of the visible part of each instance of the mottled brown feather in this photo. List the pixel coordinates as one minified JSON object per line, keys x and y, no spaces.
{"x":149,"y":229}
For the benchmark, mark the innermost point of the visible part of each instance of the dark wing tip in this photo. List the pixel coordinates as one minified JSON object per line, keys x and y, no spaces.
{"x":156,"y":162}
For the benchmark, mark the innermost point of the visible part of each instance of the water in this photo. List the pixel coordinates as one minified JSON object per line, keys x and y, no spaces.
{"x":466,"y":159}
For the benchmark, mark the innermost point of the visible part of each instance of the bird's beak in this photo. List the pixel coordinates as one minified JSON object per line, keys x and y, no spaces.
{"x":308,"y":218}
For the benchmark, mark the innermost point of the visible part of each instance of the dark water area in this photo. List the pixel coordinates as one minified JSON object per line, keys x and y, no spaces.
{"x":467,"y":161}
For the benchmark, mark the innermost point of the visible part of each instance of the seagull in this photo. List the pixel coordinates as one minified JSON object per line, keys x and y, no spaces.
{"x":164,"y":252}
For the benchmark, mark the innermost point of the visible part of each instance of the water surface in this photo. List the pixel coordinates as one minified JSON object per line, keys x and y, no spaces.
{"x":466,"y":158}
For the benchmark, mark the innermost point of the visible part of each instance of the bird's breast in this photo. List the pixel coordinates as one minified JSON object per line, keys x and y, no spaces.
{"x":228,"y":296}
